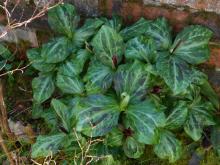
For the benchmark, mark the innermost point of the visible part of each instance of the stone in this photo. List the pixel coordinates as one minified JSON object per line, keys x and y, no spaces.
{"x":87,"y":7}
{"x":206,"y":5}
{"x":18,"y":34}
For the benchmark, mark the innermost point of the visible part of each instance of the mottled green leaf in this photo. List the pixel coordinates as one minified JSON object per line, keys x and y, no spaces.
{"x":98,"y":77}
{"x":143,"y":118}
{"x":5,"y":53}
{"x":215,"y":139}
{"x":3,"y":64}
{"x":193,"y":127}
{"x":168,"y":147}
{"x":115,"y":22}
{"x":47,"y":145}
{"x":108,"y":45}
{"x":160,"y":31}
{"x":83,"y":34}
{"x":176,"y":73}
{"x":131,"y":80}
{"x":34,"y":56}
{"x":43,"y":88}
{"x":50,"y":118}
{"x":178,"y":116}
{"x":141,"y":48}
{"x":63,"y":112}
{"x":138,"y":28}
{"x":209,"y":92}
{"x":63,"y":19}
{"x":191,"y":44}
{"x":56,"y":50}
{"x":108,"y":160}
{"x":74,"y":65}
{"x":200,"y":115}
{"x":114,"y":138}
{"x":70,"y":85}
{"x":93,"y":113}
{"x":132,"y":148}
{"x":36,"y":111}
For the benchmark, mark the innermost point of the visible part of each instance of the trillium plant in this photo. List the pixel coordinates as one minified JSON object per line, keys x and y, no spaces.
{"x":135,"y":87}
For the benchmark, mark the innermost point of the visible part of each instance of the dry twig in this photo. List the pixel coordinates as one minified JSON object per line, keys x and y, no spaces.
{"x":16,"y":70}
{"x":4,"y":117}
{"x":37,"y":13}
{"x":5,"y":149}
{"x":85,"y":157}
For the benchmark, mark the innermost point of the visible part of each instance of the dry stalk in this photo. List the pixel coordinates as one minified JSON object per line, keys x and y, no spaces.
{"x":11,"y":24}
{"x":15,"y":70}
{"x":37,"y":13}
{"x":5,"y":149}
{"x":47,"y":161}
{"x":85,"y":157}
{"x":4,"y":117}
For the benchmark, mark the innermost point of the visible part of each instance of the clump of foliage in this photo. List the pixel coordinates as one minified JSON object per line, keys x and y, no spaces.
{"x":6,"y":58}
{"x":129,"y":86}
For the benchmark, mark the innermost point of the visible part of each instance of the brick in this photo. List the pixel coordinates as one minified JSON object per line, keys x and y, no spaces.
{"x":131,"y":11}
{"x":214,"y":57}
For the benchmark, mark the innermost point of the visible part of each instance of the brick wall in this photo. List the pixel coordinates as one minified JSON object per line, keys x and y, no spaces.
{"x":207,"y":5}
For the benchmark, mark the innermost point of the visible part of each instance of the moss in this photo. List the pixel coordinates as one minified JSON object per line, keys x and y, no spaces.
{"x":211,"y":159}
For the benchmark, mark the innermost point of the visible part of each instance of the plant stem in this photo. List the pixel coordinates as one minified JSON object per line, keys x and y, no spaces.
{"x":5,"y":149}
{"x":124,"y":102}
{"x":4,"y":116}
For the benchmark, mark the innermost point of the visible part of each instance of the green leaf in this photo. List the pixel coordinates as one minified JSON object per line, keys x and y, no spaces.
{"x":63,"y":19}
{"x":178,"y":116}
{"x":3,"y":64}
{"x":5,"y":53}
{"x":93,"y":113}
{"x":160,"y":31}
{"x":141,"y":48}
{"x":98,"y":77}
{"x":115,"y":22}
{"x":47,"y":145}
{"x":56,"y":50}
{"x":37,"y":110}
{"x":84,"y":33}
{"x":193,"y":127}
{"x":108,"y":160}
{"x":50,"y":118}
{"x":132,"y":148}
{"x":168,"y":147}
{"x":74,"y":65}
{"x":108,"y":45}
{"x":200,"y":115}
{"x":63,"y":112}
{"x":215,"y":139}
{"x":34,"y":56}
{"x":137,"y":29}
{"x":143,"y":118}
{"x":191,"y":44}
{"x":176,"y":73}
{"x":114,"y":138}
{"x":209,"y":92}
{"x":131,"y":79}
{"x":69,"y":85}
{"x":43,"y":88}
